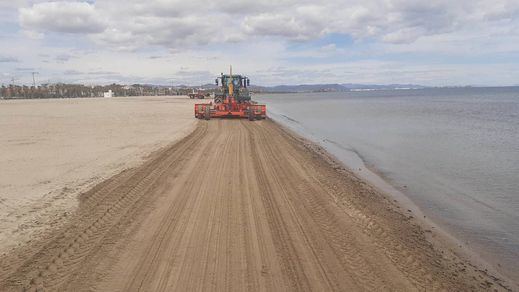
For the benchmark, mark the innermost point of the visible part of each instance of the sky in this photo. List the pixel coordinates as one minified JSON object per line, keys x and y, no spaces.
{"x":434,"y":42}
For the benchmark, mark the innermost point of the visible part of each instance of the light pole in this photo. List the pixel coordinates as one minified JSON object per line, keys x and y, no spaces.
{"x":34,"y":80}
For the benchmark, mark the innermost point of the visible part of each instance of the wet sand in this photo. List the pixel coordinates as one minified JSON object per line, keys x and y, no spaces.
{"x":239,"y":205}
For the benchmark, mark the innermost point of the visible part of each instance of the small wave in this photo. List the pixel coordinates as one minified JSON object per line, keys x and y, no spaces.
{"x":350,"y":149}
{"x":290,"y":119}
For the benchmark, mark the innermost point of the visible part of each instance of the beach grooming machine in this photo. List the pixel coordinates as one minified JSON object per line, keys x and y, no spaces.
{"x":232,"y":101}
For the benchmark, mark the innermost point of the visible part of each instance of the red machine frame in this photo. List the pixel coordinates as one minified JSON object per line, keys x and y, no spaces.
{"x":230,"y":108}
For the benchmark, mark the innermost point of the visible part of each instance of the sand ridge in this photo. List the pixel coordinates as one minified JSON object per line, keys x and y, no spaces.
{"x":238,"y":205}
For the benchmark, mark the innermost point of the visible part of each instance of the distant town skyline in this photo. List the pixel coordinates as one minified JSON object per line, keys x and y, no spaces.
{"x":431,"y":43}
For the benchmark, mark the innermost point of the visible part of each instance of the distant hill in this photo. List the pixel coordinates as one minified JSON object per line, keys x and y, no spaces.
{"x":315,"y":87}
{"x":332,"y":87}
{"x":353,"y":86}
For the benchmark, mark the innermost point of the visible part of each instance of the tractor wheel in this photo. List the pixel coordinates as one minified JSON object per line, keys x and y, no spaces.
{"x":207,"y":114}
{"x":251,"y":115}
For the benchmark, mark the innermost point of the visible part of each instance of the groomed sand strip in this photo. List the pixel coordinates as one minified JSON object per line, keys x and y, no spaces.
{"x":52,"y":150}
{"x":241,"y":206}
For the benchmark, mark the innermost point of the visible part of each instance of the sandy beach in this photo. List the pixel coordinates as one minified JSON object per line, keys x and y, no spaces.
{"x":238,"y":205}
{"x":52,"y":150}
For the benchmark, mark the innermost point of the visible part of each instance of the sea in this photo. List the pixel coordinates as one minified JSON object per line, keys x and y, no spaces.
{"x":452,"y":152}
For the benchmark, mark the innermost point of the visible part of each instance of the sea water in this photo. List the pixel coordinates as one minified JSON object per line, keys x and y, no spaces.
{"x":454,"y":152}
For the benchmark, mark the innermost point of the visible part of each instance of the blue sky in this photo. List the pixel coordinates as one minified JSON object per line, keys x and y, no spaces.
{"x":274,"y":42}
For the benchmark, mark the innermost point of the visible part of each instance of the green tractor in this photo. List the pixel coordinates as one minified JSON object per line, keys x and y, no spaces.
{"x":232,"y":85}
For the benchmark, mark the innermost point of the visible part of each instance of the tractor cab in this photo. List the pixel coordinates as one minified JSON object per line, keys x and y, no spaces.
{"x":232,"y":86}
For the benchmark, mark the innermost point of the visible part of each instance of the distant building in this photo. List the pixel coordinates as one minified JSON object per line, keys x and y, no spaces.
{"x":109,"y":93}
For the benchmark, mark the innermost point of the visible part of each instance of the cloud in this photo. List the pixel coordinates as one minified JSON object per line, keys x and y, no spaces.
{"x":279,"y":40}
{"x":33,"y":35}
{"x":158,"y":31}
{"x":63,"y":17}
{"x":282,"y":25}
{"x":72,"y":72}
{"x":102,"y":73}
{"x":24,"y":69}
{"x":328,"y":48}
{"x":8,"y":60}
{"x":192,"y":77}
{"x":62,"y":58}
{"x":133,"y":24}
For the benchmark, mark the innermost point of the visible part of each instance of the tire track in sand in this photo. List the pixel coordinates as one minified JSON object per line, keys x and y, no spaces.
{"x":49,"y":265}
{"x":235,"y":206}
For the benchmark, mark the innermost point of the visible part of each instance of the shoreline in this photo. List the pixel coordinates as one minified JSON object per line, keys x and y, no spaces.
{"x":439,"y":236}
{"x":381,"y":216}
{"x":450,"y":153}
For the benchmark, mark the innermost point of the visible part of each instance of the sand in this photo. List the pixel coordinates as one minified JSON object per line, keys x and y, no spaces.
{"x":52,"y":150}
{"x":242,"y":206}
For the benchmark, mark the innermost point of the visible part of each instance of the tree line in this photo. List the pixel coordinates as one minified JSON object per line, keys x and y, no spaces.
{"x":62,"y":90}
